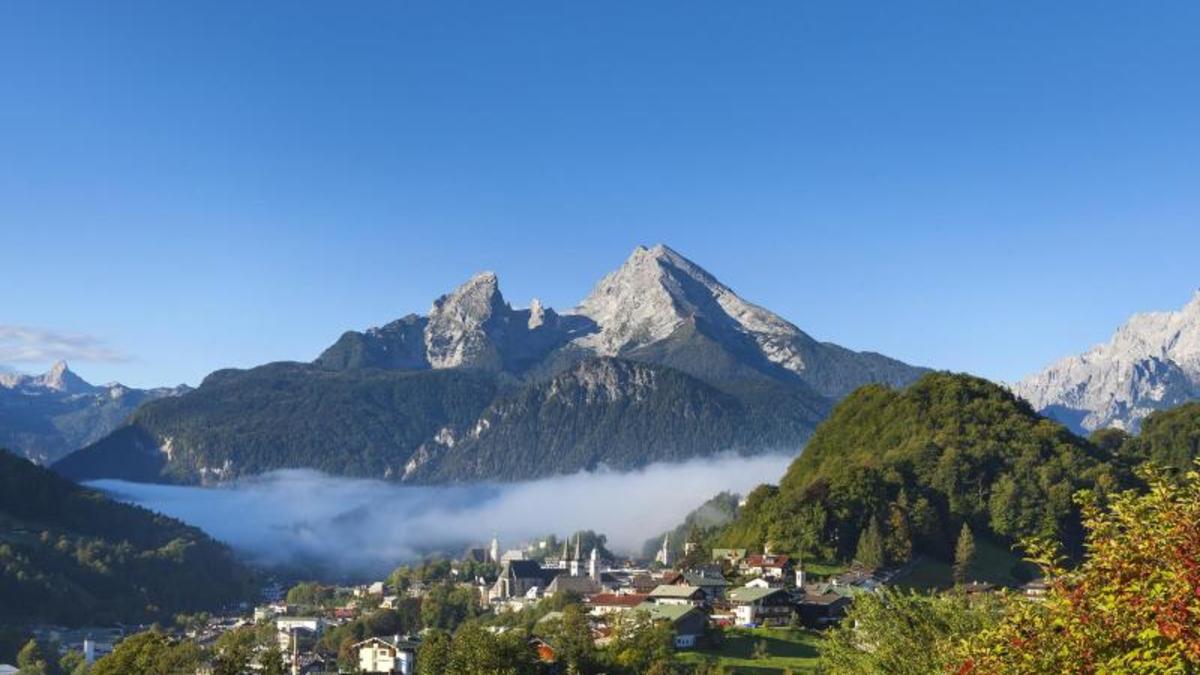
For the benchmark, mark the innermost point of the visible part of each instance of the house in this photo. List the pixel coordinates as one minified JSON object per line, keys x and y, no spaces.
{"x":386,"y":655}
{"x":1036,"y":590}
{"x":642,"y":583}
{"x":608,"y":603}
{"x":859,"y":579}
{"x":713,"y":585}
{"x":820,"y":610}
{"x":768,"y":565}
{"x":757,"y":606}
{"x":688,"y":623}
{"x":677,"y":595}
{"x":519,"y":578}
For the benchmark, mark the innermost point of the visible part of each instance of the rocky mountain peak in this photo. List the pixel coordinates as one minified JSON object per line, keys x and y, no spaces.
{"x":457,"y":334}
{"x":475,"y":300}
{"x":1151,"y":362}
{"x":657,"y":289}
{"x":60,"y":379}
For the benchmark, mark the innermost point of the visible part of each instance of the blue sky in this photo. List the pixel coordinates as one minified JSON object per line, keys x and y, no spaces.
{"x":981,"y":187}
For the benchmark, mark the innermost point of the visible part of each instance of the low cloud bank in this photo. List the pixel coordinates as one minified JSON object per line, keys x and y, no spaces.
{"x":356,"y":526}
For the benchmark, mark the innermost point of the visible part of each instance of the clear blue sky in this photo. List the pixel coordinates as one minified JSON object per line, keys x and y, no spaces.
{"x":975,"y":186}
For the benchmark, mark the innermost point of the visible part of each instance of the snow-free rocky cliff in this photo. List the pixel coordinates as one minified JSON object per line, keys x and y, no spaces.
{"x":661,"y":361}
{"x":1151,"y":363}
{"x":655,"y":302}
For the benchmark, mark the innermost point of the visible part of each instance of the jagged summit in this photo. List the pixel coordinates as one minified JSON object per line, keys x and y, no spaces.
{"x":59,"y":379}
{"x":657,"y":289}
{"x":657,"y":306}
{"x":457,"y":333}
{"x":1152,"y":362}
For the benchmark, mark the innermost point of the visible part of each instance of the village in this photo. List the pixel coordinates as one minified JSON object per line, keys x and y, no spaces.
{"x":704,"y":599}
{"x":733,"y":588}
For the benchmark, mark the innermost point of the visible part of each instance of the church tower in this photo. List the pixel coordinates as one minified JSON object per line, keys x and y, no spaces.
{"x":494,"y":551}
{"x":594,"y":566}
{"x":664,"y":555}
{"x":577,"y":559}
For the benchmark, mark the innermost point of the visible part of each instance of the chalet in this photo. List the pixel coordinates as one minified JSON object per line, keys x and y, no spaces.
{"x":756,"y":606}
{"x":768,"y":565}
{"x":642,"y":583}
{"x":608,"y":603}
{"x":386,"y":655}
{"x":820,"y":610}
{"x":677,"y":595}
{"x":713,"y":585}
{"x":688,"y":623}
{"x":858,"y":579}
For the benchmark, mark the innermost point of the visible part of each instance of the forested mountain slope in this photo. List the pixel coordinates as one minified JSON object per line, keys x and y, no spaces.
{"x":915,"y":464}
{"x":71,"y":555}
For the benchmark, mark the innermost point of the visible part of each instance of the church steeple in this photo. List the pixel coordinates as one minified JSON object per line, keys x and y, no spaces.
{"x":664,"y":555}
{"x":594,"y":566}
{"x":577,"y":559}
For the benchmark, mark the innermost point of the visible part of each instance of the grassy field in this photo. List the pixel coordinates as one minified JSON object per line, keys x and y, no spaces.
{"x":787,"y":649}
{"x":993,"y":564}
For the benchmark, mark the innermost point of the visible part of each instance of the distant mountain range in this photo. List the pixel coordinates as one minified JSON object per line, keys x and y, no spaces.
{"x":661,"y":361}
{"x":1151,"y":363}
{"x":44,"y":417}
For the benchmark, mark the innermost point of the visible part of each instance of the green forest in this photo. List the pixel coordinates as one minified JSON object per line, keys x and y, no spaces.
{"x":70,"y":555}
{"x":895,"y":473}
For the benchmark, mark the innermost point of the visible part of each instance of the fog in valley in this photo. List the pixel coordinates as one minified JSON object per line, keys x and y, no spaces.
{"x":354,"y":527}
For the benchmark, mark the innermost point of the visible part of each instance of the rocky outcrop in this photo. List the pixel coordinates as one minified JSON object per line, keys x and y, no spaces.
{"x":1151,"y":363}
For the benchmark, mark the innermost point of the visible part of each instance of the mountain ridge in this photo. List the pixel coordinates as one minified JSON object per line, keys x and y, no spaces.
{"x":658,"y":318}
{"x":44,"y":417}
{"x":1152,"y":362}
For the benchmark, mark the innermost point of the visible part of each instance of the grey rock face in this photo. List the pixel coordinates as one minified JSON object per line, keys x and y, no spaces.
{"x":656,"y":307}
{"x":1151,"y":363}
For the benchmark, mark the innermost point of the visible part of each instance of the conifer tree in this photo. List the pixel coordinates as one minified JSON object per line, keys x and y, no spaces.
{"x":870,"y":546}
{"x":964,"y":555}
